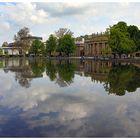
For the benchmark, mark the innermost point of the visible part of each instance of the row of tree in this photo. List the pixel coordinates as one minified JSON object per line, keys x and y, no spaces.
{"x":123,"y":39}
{"x":61,"y":43}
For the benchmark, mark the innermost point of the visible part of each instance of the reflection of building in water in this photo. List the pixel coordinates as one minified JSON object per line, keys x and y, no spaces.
{"x":79,"y":66}
{"x":97,"y":70}
{"x":22,"y":70}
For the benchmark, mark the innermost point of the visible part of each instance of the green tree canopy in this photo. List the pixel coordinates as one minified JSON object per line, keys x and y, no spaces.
{"x":37,"y":47}
{"x":68,"y":44}
{"x":51,"y":44}
{"x":119,"y":39}
{"x":134,"y":34}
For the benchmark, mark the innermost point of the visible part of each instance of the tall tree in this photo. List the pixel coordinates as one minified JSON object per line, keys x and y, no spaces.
{"x":21,"y":39}
{"x":51,"y":44}
{"x":68,"y":44}
{"x":37,"y":47}
{"x":119,"y":39}
{"x":63,"y":31}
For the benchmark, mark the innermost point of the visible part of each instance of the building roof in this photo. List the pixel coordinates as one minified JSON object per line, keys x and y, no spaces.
{"x":32,"y":37}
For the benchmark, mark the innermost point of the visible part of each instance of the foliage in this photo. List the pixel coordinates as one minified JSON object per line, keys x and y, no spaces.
{"x":21,"y":39}
{"x":81,"y":37}
{"x":60,"y":46}
{"x":134,"y":34}
{"x":119,"y":39}
{"x":37,"y":47}
{"x":24,"y":32}
{"x":63,"y":31}
{"x":67,"y":44}
{"x":106,"y":51}
{"x":51,"y":44}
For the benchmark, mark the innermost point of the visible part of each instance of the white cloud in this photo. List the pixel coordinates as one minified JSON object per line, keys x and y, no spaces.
{"x":24,"y":13}
{"x":81,"y":18}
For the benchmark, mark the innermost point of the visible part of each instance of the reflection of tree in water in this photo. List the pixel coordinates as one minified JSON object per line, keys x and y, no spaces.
{"x":35,"y":69}
{"x":1,"y":64}
{"x":23,"y":81}
{"x":21,"y":69}
{"x":122,"y":78}
{"x":25,"y":70}
{"x":28,"y":72}
{"x":63,"y":72}
{"x":51,"y":70}
{"x":117,"y":79}
{"x":66,"y":73}
{"x":38,"y":67}
{"x":23,"y":73}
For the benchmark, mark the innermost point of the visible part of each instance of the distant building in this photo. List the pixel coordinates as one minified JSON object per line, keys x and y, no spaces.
{"x":96,"y":46}
{"x":79,"y":48}
{"x":17,"y":49}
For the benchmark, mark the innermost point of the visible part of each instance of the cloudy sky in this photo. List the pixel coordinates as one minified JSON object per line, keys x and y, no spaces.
{"x":82,"y":18}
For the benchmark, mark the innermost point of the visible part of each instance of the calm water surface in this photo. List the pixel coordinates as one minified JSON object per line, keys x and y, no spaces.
{"x":69,"y":98}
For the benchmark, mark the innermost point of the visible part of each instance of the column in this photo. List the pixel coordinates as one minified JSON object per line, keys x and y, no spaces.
{"x":88,"y":49}
{"x":97,"y":49}
{"x":92,"y":49}
{"x":103,"y":49}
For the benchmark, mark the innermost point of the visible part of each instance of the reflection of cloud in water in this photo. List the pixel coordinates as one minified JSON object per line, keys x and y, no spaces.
{"x":29,"y":98}
{"x":5,"y":82}
{"x":75,"y":110}
{"x":79,"y":117}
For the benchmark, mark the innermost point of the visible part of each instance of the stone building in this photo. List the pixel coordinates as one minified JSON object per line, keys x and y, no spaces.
{"x":96,"y":46}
